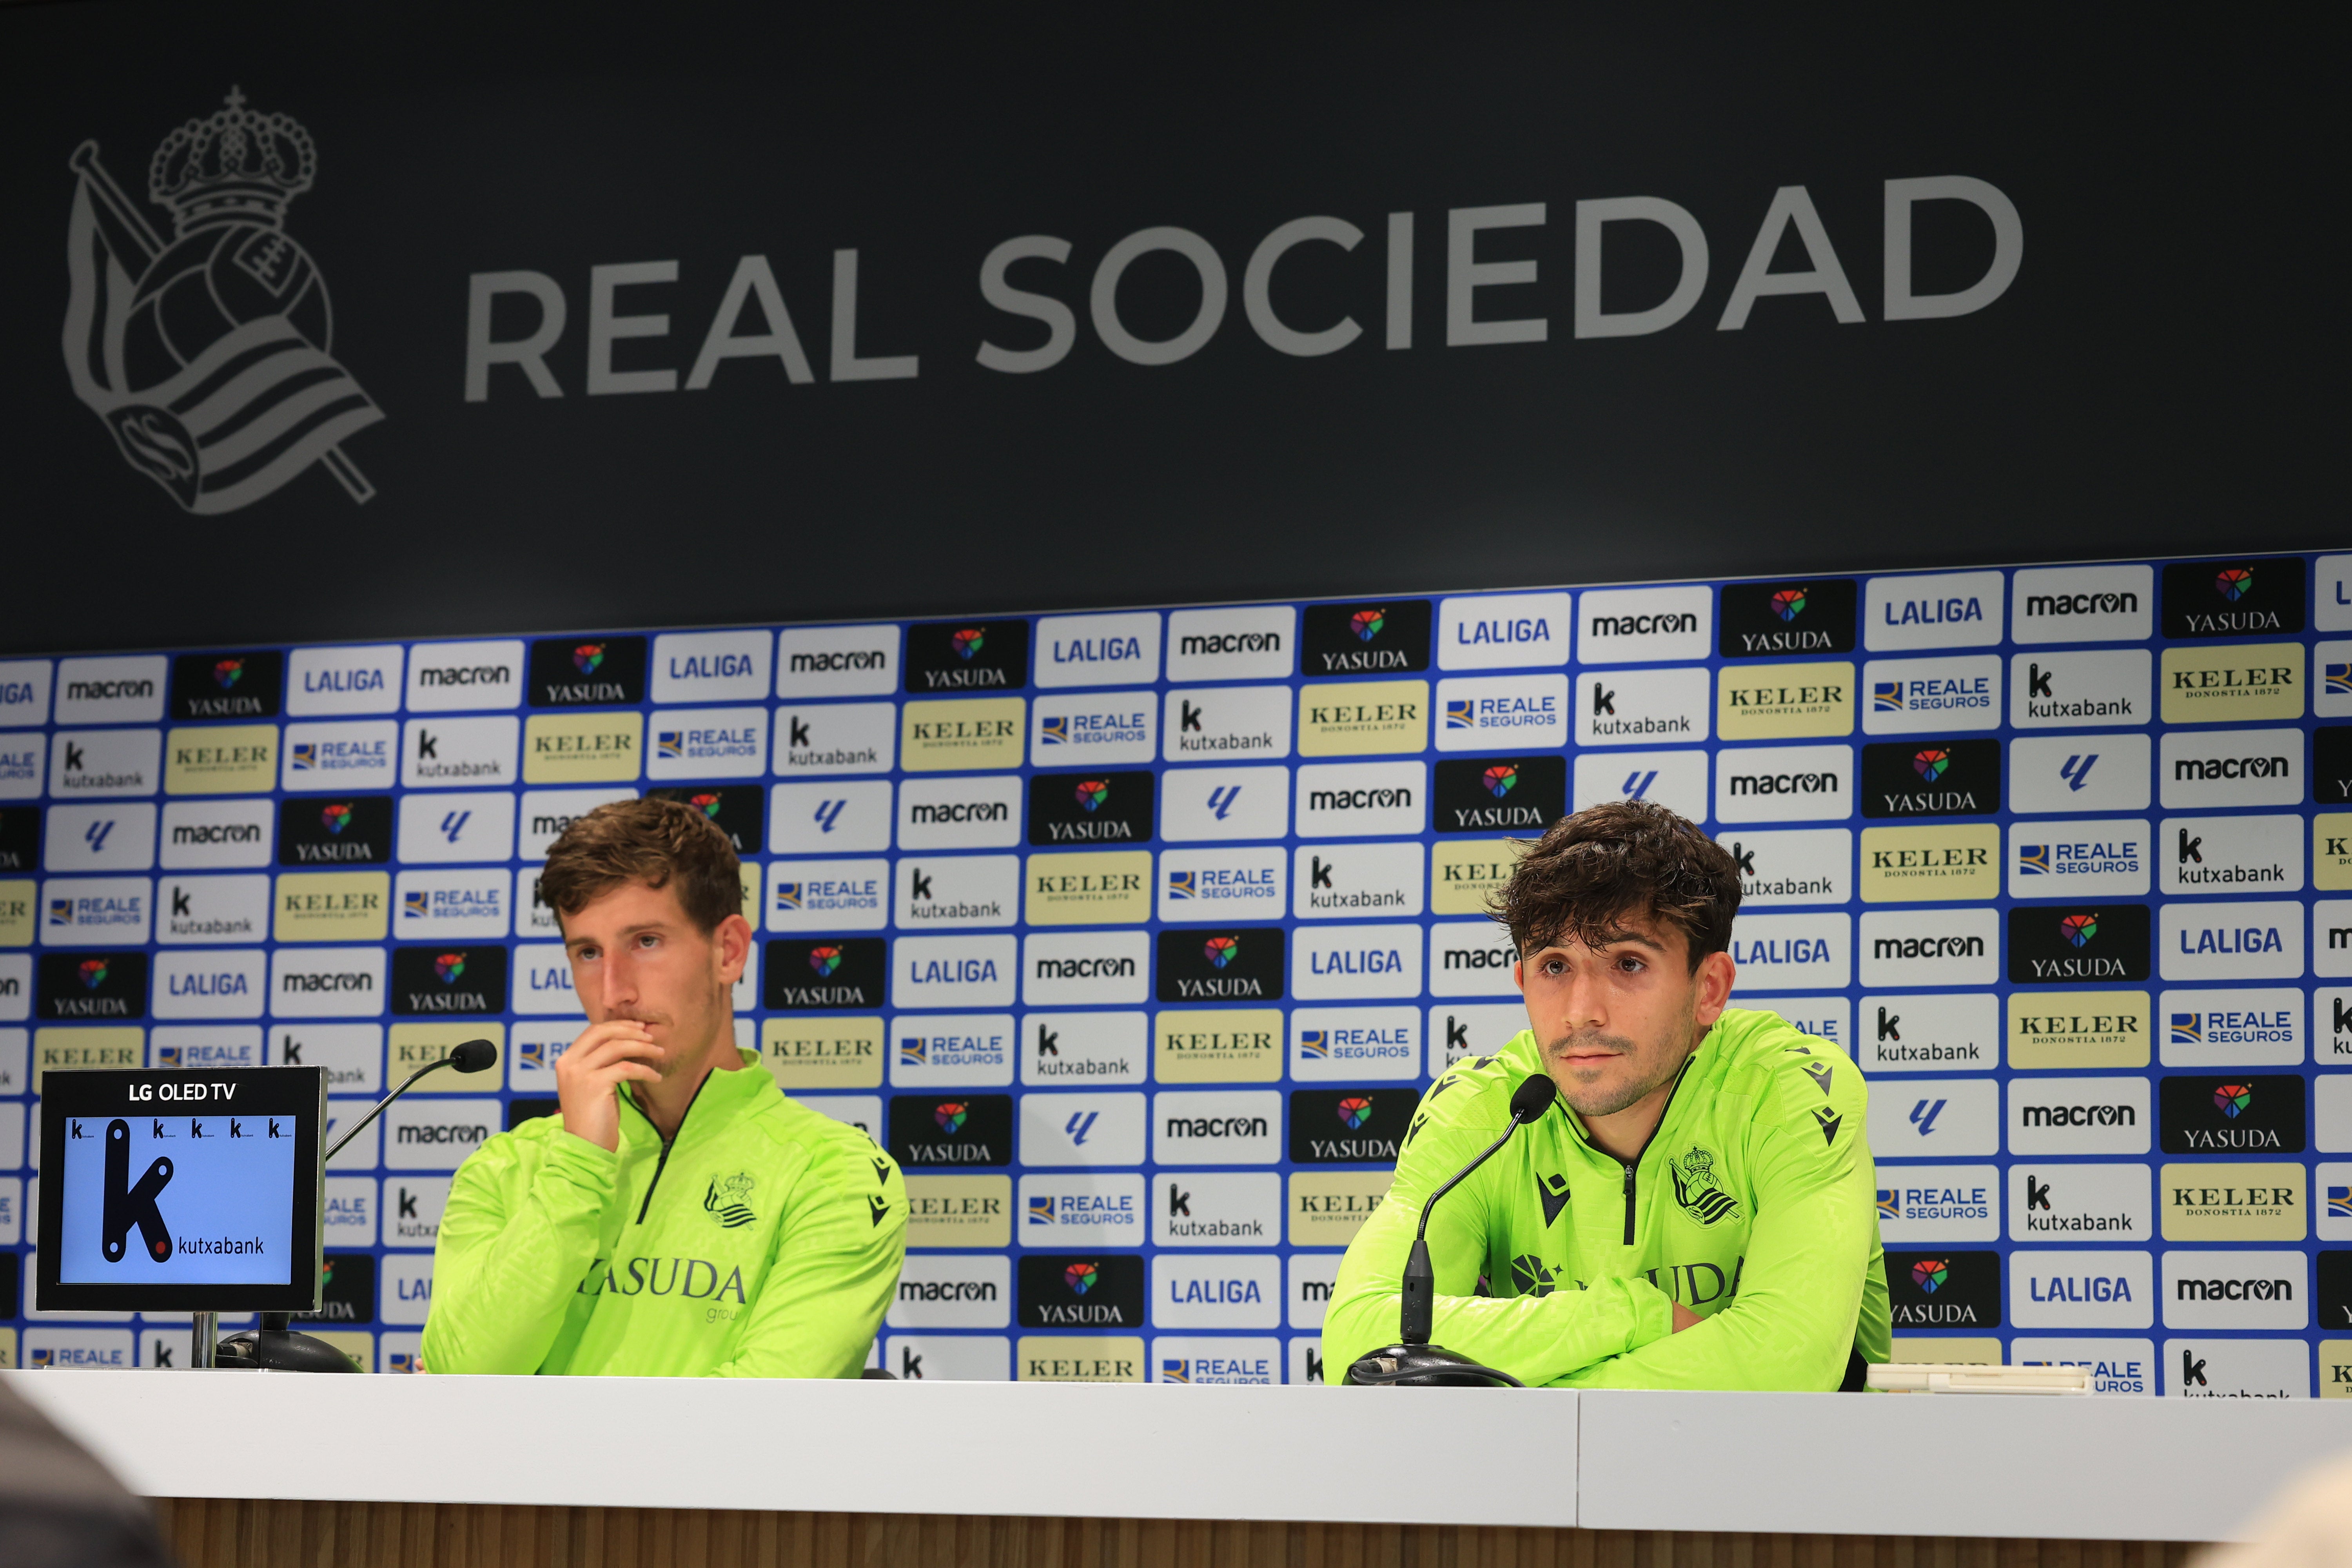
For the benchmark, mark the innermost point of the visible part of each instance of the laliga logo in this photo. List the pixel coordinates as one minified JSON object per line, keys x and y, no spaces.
{"x":207,"y":356}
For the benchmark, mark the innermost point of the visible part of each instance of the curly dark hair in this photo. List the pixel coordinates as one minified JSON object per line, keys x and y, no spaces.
{"x":1623,"y":859}
{"x":646,"y":840}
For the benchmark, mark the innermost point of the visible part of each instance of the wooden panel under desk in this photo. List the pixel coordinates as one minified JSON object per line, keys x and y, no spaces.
{"x":263,"y":1533}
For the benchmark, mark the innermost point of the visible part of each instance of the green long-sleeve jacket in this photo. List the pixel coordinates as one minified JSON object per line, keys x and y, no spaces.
{"x":1754,"y":1205}
{"x":763,"y":1241}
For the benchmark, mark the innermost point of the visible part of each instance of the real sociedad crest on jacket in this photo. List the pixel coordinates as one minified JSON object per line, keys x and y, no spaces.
{"x":207,"y":355}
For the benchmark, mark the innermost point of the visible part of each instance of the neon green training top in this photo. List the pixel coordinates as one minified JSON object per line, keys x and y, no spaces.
{"x":764,"y":1241}
{"x":1754,"y":1204}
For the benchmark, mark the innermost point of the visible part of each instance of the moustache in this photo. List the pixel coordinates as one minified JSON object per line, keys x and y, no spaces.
{"x":1612,"y":1045}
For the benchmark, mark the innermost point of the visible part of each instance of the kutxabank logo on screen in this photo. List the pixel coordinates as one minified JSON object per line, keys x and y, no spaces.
{"x":207,"y":355}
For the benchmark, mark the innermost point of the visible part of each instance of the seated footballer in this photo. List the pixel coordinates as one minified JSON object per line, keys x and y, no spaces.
{"x":1697,"y":1209}
{"x":681,"y":1217}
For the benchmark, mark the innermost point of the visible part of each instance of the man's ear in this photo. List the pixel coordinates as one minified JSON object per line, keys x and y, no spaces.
{"x":733,"y":940}
{"x":1713,"y":982}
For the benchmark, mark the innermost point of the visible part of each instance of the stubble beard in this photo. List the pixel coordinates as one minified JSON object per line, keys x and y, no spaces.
{"x":1659,"y":1057}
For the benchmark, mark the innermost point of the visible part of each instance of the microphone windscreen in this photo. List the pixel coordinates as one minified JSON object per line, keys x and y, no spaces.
{"x":475,"y":1055}
{"x":1534,"y":1097}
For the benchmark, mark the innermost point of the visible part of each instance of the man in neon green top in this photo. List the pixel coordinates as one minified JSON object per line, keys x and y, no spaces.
{"x":681,"y":1217}
{"x":1696,"y":1210}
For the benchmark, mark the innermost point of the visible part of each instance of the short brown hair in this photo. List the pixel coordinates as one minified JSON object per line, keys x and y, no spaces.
{"x":651,"y":841}
{"x":1591,"y":872}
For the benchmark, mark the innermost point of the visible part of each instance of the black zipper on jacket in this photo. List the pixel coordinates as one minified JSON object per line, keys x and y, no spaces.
{"x":1634,"y":1163}
{"x":663,"y":1163}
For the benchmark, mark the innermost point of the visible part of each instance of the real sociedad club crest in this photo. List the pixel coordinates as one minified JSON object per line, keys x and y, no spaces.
{"x":207,"y":356}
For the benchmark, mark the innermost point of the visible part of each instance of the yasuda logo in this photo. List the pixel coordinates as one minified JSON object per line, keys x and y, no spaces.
{"x":1789,"y":603}
{"x":825,"y":960}
{"x":1220,"y":950}
{"x":450,"y":967}
{"x":2231,"y":1100}
{"x":2232,"y":582}
{"x":1080,"y":1278}
{"x":1367,"y":623}
{"x":968,"y":641}
{"x":1354,"y":1112}
{"x":2078,"y":929}
{"x":1929,"y":1274}
{"x":1501,"y":779}
{"x":950,"y":1115}
{"x":1931,"y":762}
{"x":227,"y":672}
{"x":93,"y":973}
{"x":587,"y":657}
{"x":335,"y":818}
{"x":1091,"y":793}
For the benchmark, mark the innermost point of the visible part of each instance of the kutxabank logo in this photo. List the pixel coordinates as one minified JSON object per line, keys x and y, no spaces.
{"x":208,"y":356}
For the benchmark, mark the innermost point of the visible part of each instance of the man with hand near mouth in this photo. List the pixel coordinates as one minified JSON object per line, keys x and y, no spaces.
{"x":681,"y":1217}
{"x":1698,"y":1207}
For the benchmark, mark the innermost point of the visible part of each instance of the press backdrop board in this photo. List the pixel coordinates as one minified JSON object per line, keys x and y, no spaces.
{"x":1136,"y":935}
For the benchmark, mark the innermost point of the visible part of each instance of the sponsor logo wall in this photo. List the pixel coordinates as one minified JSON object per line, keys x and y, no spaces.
{"x":1136,"y":936}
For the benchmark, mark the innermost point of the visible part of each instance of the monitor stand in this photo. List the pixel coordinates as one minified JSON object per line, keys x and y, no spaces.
{"x":272,"y":1348}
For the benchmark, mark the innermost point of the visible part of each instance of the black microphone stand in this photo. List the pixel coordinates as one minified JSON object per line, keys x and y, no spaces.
{"x":1412,"y":1361}
{"x":275,"y":1347}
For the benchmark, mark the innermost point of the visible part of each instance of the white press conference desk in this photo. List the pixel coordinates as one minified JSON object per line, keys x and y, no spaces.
{"x":2085,"y":1468}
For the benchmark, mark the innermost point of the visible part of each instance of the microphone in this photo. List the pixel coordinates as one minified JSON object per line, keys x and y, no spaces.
{"x":473,"y":1055}
{"x":275,"y":1348}
{"x":1414,"y":1361}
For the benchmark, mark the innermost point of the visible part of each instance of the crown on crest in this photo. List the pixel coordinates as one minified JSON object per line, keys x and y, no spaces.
{"x":236,"y":161}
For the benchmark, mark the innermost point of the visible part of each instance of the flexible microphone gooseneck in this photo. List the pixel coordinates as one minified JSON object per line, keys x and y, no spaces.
{"x":1414,"y":1361}
{"x":473,"y":1055}
{"x":274,"y":1348}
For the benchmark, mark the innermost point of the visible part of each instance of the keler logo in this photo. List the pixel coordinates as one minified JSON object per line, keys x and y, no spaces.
{"x":189,"y":350}
{"x":126,"y":1205}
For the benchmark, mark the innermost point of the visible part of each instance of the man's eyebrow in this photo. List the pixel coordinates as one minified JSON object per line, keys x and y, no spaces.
{"x":626,"y":931}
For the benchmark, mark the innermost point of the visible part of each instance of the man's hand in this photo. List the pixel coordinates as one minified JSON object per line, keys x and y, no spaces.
{"x":1684,"y":1317}
{"x":588,"y":1075}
